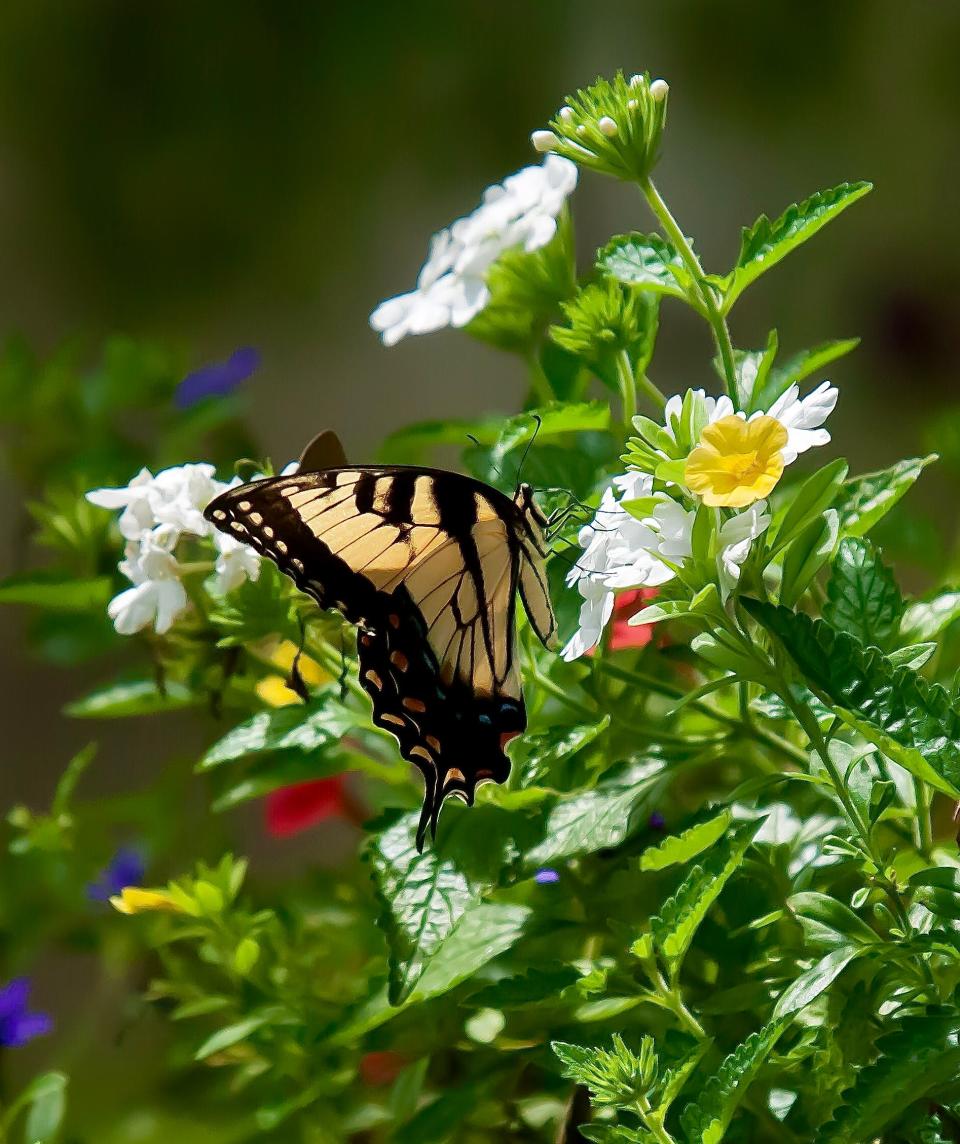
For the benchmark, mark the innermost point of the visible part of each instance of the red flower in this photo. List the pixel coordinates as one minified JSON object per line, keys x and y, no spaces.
{"x":627,"y":604}
{"x":298,"y":807}
{"x":380,"y":1068}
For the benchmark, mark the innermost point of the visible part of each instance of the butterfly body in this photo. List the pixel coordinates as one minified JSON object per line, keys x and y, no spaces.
{"x":427,"y":564}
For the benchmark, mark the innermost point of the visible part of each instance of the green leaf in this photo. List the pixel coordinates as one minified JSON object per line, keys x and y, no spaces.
{"x":616,"y":1076}
{"x":914,"y":1061}
{"x":598,"y":819}
{"x":807,"y":555}
{"x":868,"y":498}
{"x":47,"y":1096}
{"x":484,"y":932}
{"x":231,"y":1035}
{"x":647,"y":262}
{"x":913,"y":722}
{"x":139,"y":697}
{"x":765,"y":243}
{"x":504,"y":433}
{"x":43,"y":590}
{"x":303,"y":728}
{"x":925,"y":619}
{"x":539,"y":755}
{"x":752,"y":369}
{"x":810,"y":984}
{"x":544,"y":983}
{"x":796,"y":368}
{"x":680,"y":915}
{"x":810,"y":501}
{"x":682,"y":847}
{"x":706,"y":1122}
{"x":424,"y":896}
{"x":863,"y":598}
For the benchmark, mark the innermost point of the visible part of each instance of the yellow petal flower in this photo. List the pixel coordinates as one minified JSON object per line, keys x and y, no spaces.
{"x":737,"y":462}
{"x":134,"y":900}
{"x":272,"y":689}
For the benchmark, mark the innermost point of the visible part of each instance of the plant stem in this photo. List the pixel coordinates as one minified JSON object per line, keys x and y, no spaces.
{"x":711,"y":309}
{"x":628,"y":387}
{"x":539,"y":382}
{"x":652,"y":1122}
{"x":923,"y":824}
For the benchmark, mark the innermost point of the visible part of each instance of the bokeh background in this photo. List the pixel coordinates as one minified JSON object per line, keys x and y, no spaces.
{"x":223,"y":174}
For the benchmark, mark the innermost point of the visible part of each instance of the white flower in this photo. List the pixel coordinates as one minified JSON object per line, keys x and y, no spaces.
{"x":182,"y":493}
{"x":158,"y":597}
{"x":734,"y":540}
{"x":803,"y":418}
{"x":236,"y":562}
{"x":135,"y":500}
{"x":451,"y":287}
{"x":711,"y":409}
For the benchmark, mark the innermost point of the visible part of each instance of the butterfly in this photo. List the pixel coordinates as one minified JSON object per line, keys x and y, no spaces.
{"x":428,"y":565}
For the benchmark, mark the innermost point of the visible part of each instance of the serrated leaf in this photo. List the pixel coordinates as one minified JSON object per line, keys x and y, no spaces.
{"x":424,"y":896}
{"x":925,"y":619}
{"x":866,"y":499}
{"x":814,"y":981}
{"x":538,"y":755}
{"x":50,"y":590}
{"x":299,"y":727}
{"x":915,"y":723}
{"x":597,"y":819}
{"x":680,"y":915}
{"x":706,"y":1122}
{"x":682,"y":847}
{"x":913,"y":1063}
{"x":863,"y":598}
{"x":139,"y":697}
{"x":645,"y":261}
{"x":766,"y":243}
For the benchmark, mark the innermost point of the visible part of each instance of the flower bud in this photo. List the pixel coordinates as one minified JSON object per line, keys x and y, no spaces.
{"x":566,"y":114}
{"x":636,"y":81}
{"x":544,"y":141}
{"x":659,"y":89}
{"x":608,"y":126}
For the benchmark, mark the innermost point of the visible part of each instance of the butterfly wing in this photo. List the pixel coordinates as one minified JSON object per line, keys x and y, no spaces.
{"x":426,"y":564}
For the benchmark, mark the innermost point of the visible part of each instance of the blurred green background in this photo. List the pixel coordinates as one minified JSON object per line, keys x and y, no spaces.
{"x":213,"y":175}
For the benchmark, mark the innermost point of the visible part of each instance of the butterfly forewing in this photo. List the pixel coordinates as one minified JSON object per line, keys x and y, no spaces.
{"x":427,"y":564}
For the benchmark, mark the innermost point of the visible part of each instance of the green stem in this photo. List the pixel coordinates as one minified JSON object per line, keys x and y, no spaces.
{"x":711,"y":309}
{"x":628,"y":387}
{"x":539,"y":382}
{"x":923,"y":824}
{"x":651,"y":1121}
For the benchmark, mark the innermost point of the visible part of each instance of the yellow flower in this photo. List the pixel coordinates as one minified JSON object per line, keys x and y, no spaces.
{"x":737,"y":462}
{"x":134,"y":900}
{"x":273,"y":689}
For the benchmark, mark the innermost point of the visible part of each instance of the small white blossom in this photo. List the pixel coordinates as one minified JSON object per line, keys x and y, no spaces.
{"x":181,"y":495}
{"x":236,"y":562}
{"x":135,"y":500}
{"x":158,"y":597}
{"x":659,"y":89}
{"x":734,"y":541}
{"x":451,"y":287}
{"x":607,"y":126}
{"x":803,"y":418}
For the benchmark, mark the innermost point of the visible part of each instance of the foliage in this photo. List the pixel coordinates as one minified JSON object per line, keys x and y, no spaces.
{"x":717,"y":899}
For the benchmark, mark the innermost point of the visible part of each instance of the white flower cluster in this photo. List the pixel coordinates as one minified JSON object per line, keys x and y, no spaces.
{"x":156,"y":512}
{"x":519,"y":213}
{"x":622,"y":551}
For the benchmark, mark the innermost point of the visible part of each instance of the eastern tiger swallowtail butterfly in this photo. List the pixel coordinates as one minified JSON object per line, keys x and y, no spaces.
{"x":427,"y":564}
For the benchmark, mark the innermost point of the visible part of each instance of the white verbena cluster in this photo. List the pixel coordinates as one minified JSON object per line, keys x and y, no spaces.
{"x":519,"y":213}
{"x":156,"y":513}
{"x":631,"y":549}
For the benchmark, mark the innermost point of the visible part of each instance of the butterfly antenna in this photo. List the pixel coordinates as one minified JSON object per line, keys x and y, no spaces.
{"x":523,"y":459}
{"x":499,"y":472}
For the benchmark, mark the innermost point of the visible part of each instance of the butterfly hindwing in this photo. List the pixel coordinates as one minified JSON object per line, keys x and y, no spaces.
{"x":427,"y":565}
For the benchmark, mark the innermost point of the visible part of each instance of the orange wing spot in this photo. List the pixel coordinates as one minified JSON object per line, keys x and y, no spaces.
{"x":422,"y":753}
{"x":396,"y":719}
{"x":417,"y":705}
{"x":399,"y":660}
{"x":507,"y":737}
{"x":484,"y":776}
{"x":394,"y":620}
{"x":455,"y":775}
{"x":366,"y":640}
{"x":374,"y":679}
{"x":434,"y":742}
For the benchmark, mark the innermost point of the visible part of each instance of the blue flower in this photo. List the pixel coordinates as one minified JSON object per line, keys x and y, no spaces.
{"x":17,"y":1026}
{"x":126,"y":868}
{"x":545,"y":876}
{"x":656,"y":821}
{"x":219,"y":378}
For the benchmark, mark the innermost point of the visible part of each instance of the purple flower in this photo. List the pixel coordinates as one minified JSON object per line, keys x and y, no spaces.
{"x":126,"y":868}
{"x":17,"y":1026}
{"x":656,"y":821}
{"x":219,"y":378}
{"x":545,"y":876}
